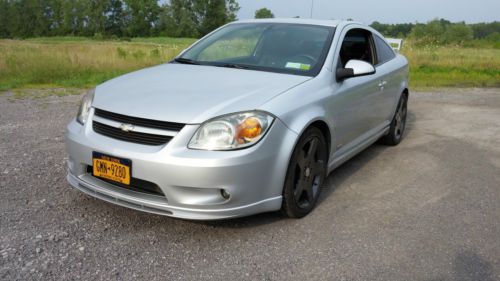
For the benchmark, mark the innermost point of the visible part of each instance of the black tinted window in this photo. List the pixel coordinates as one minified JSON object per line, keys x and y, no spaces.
{"x":356,"y":46}
{"x":384,"y":52}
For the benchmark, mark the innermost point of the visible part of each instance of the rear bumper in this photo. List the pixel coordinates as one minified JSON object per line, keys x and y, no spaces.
{"x":191,"y":180}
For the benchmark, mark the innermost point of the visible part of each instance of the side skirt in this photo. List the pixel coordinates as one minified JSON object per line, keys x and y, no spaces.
{"x":353,"y":151}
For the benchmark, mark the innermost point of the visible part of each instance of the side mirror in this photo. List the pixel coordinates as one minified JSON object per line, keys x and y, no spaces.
{"x":355,"y":68}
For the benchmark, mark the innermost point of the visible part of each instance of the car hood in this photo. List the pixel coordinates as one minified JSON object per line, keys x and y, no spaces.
{"x":190,"y":94}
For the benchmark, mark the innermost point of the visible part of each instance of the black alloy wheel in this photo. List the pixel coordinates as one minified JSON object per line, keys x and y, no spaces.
{"x":306,"y":174}
{"x":398,"y":124}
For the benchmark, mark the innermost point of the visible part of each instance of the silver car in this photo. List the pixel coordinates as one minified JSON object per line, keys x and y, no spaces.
{"x":249,"y":119}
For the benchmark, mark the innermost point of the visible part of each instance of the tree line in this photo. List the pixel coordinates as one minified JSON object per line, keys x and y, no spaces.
{"x":184,"y":18}
{"x":113,"y":18}
{"x":441,"y":31}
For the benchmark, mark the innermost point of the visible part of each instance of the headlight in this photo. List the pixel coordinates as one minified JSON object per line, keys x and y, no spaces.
{"x":83,"y":111}
{"x":232,"y":132}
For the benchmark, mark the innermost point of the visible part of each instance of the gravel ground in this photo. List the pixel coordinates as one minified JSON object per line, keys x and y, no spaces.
{"x":428,"y":209}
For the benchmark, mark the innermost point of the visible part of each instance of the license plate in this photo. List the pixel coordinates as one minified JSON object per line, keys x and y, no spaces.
{"x":111,"y":168}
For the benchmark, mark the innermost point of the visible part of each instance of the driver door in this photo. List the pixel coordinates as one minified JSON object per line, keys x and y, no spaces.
{"x":354,"y":99}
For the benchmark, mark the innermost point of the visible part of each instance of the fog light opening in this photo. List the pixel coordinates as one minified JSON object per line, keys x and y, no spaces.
{"x":225,"y":194}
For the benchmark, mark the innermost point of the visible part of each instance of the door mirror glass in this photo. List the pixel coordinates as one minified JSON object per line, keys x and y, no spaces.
{"x":355,"y":68}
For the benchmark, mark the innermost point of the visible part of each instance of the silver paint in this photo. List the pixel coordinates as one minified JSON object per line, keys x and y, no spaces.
{"x":356,"y":111}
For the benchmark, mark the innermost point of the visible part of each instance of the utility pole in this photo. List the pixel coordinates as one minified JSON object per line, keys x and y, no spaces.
{"x":312,"y":8}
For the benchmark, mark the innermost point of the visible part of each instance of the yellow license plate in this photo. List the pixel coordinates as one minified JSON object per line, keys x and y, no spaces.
{"x":111,"y":168}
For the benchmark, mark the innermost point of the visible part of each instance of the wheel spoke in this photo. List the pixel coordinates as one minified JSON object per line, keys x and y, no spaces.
{"x":301,"y":163}
{"x":311,"y":150}
{"x":317,"y":168}
{"x":310,"y":192}
{"x":299,"y":189}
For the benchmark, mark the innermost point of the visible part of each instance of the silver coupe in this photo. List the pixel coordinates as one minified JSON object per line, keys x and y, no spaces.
{"x":249,"y":119}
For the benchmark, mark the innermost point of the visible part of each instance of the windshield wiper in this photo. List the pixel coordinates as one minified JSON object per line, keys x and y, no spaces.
{"x":186,"y":61}
{"x":233,"y":65}
{"x":194,"y":62}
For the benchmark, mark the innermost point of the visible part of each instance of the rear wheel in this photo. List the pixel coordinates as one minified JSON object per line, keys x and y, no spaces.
{"x":398,"y":124}
{"x":306,"y":174}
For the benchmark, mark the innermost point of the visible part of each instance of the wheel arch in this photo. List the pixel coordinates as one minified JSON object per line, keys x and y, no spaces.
{"x":321,"y":124}
{"x":325,"y":130}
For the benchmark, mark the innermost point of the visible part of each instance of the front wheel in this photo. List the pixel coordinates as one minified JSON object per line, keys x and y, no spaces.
{"x":306,"y":174}
{"x":398,"y":124}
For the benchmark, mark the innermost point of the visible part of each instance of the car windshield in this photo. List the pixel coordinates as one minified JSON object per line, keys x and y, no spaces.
{"x":276,"y":47}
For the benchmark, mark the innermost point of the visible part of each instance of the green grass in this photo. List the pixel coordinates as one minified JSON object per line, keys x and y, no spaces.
{"x":40,"y":93}
{"x":77,"y":62}
{"x":453,"y":66}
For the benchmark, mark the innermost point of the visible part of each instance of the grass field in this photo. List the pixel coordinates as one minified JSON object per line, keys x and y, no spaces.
{"x":453,"y":66}
{"x":76,"y":62}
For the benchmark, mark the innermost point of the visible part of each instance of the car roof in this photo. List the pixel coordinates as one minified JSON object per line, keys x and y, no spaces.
{"x":331,"y":23}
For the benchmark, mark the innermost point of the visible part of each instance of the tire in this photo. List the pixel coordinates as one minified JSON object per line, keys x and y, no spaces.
{"x":398,"y":124}
{"x":305,"y":175}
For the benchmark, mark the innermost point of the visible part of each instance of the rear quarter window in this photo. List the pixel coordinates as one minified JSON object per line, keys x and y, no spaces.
{"x":384,"y":51}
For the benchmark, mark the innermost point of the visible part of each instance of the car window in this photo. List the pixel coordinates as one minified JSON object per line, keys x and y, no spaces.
{"x":276,"y":47}
{"x":239,"y":43}
{"x":357,"y":45}
{"x":384,"y":51}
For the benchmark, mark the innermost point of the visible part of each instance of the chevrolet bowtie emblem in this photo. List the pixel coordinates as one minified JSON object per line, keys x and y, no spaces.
{"x":126,"y":127}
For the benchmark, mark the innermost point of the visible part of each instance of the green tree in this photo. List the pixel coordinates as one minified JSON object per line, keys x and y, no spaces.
{"x":96,"y":11}
{"x":74,"y":17}
{"x":483,"y":30}
{"x":232,"y":8}
{"x":440,"y":31}
{"x":428,"y":34}
{"x":194,"y":18}
{"x":458,"y":33}
{"x":393,"y":30}
{"x":141,"y":17}
{"x":178,"y":19}
{"x":263,"y":13}
{"x":28,"y":18}
{"x":115,"y":18}
{"x":56,"y":17}
{"x":211,"y":14}
{"x":4,"y":19}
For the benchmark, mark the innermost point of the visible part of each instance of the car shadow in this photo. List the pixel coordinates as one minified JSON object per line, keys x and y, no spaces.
{"x":349,"y":168}
{"x":333,"y":181}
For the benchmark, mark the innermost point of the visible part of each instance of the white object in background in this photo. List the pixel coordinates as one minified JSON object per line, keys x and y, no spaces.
{"x":395,"y":43}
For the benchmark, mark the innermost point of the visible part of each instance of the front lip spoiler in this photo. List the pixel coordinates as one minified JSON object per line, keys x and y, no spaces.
{"x":267,"y":205}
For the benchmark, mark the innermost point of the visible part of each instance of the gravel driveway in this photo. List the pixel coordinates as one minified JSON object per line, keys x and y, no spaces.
{"x":428,"y":209}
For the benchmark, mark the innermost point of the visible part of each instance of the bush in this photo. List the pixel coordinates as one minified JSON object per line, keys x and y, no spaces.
{"x":457,"y":34}
{"x":121,"y":53}
{"x":441,"y":32}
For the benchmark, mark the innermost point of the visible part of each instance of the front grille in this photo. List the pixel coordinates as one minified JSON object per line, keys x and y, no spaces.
{"x":135,"y":185}
{"x":162,"y":125}
{"x":135,"y":137}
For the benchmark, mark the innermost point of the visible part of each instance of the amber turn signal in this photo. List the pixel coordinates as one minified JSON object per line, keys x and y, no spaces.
{"x":249,"y":129}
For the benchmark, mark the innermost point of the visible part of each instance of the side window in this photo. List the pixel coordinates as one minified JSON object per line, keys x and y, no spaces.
{"x":357,"y":45}
{"x":384,"y":51}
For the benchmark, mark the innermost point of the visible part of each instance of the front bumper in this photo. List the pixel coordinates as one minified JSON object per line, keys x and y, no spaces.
{"x":191,"y":180}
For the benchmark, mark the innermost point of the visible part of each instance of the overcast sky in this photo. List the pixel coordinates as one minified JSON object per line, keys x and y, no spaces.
{"x":385,"y":11}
